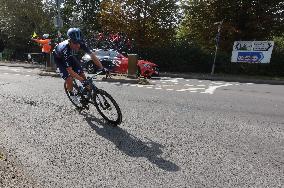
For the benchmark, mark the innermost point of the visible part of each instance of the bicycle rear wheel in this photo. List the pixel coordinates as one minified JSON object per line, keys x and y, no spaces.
{"x":107,"y":107}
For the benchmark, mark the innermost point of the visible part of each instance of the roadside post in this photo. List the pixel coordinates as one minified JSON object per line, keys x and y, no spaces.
{"x":1,"y":57}
{"x":132,"y":65}
{"x":58,"y":24}
{"x":217,"y":44}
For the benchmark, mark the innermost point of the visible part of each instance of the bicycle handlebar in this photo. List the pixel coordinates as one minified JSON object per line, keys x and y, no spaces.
{"x":98,"y":73}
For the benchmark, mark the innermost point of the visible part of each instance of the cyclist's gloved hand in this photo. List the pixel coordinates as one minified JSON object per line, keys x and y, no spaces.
{"x":104,"y":70}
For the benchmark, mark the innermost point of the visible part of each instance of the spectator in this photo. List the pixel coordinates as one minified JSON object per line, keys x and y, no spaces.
{"x":45,"y":42}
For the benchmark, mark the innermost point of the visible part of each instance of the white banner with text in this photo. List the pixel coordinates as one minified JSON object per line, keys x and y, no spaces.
{"x":252,"y":51}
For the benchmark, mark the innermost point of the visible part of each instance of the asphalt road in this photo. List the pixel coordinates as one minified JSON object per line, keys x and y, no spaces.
{"x":175,"y":133}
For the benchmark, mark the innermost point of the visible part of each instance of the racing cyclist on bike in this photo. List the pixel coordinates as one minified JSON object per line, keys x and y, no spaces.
{"x":68,"y":65}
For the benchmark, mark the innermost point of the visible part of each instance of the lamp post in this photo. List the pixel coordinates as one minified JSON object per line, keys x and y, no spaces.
{"x":58,"y":24}
{"x":217,"y":44}
{"x":58,"y":20}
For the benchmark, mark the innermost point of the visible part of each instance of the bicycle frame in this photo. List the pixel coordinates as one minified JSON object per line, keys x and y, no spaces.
{"x":93,"y":87}
{"x":103,"y":101}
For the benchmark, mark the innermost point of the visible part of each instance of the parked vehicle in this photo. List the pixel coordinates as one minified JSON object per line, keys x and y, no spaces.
{"x":115,"y":62}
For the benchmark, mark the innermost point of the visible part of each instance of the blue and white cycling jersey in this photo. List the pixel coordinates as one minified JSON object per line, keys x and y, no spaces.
{"x":64,"y":57}
{"x":64,"y":54}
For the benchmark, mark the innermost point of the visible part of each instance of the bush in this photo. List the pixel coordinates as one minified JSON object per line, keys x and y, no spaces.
{"x":178,"y":58}
{"x":7,"y":54}
{"x":184,"y":57}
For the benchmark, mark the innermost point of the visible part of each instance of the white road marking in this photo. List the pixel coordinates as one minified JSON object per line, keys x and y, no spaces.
{"x":174,"y":80}
{"x":16,"y":70}
{"x":167,"y":85}
{"x":6,"y":73}
{"x":205,"y":88}
{"x":211,"y":89}
{"x":190,"y":89}
{"x":188,"y":85}
{"x":219,"y":83}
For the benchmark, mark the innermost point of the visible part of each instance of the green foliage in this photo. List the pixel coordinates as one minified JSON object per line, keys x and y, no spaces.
{"x":149,"y":22}
{"x":18,"y":20}
{"x":180,"y":37}
{"x":181,"y":57}
{"x":243,"y":20}
{"x":83,"y":14}
{"x":7,"y":53}
{"x":279,"y":44}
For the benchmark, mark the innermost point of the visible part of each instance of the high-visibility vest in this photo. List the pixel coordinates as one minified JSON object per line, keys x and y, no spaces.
{"x":46,"y":47}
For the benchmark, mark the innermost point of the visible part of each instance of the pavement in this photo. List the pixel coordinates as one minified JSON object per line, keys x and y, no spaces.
{"x":125,"y":79}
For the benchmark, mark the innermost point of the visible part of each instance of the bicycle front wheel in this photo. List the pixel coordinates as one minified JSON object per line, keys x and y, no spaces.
{"x":107,"y":107}
{"x":76,"y":100}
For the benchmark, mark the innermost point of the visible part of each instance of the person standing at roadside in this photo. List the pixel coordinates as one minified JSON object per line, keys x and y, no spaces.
{"x":45,"y":43}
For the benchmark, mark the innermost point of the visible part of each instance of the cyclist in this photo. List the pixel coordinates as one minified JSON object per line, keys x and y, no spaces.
{"x":68,"y":65}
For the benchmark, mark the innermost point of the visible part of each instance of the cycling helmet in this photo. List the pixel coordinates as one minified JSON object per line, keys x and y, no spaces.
{"x":75,"y":35}
{"x":45,"y":36}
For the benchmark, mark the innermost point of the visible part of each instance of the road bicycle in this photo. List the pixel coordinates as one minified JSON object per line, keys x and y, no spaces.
{"x":104,"y":102}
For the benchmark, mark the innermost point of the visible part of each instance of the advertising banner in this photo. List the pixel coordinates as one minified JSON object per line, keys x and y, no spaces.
{"x":252,"y":51}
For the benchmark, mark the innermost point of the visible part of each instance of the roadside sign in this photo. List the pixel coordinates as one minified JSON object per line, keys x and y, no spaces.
{"x":58,"y":22}
{"x":250,"y":57}
{"x":252,"y":51}
{"x":263,"y":45}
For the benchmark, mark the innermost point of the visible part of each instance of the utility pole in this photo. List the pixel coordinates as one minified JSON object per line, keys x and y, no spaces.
{"x":58,"y":20}
{"x":58,"y":23}
{"x":217,"y":44}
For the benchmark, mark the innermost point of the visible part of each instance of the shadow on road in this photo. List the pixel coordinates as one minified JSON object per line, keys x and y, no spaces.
{"x":131,"y":145}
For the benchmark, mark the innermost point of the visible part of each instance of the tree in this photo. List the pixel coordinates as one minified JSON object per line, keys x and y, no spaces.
{"x":112,"y":16}
{"x":82,"y":14}
{"x":149,"y":22}
{"x":19,"y":19}
{"x":243,"y":20}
